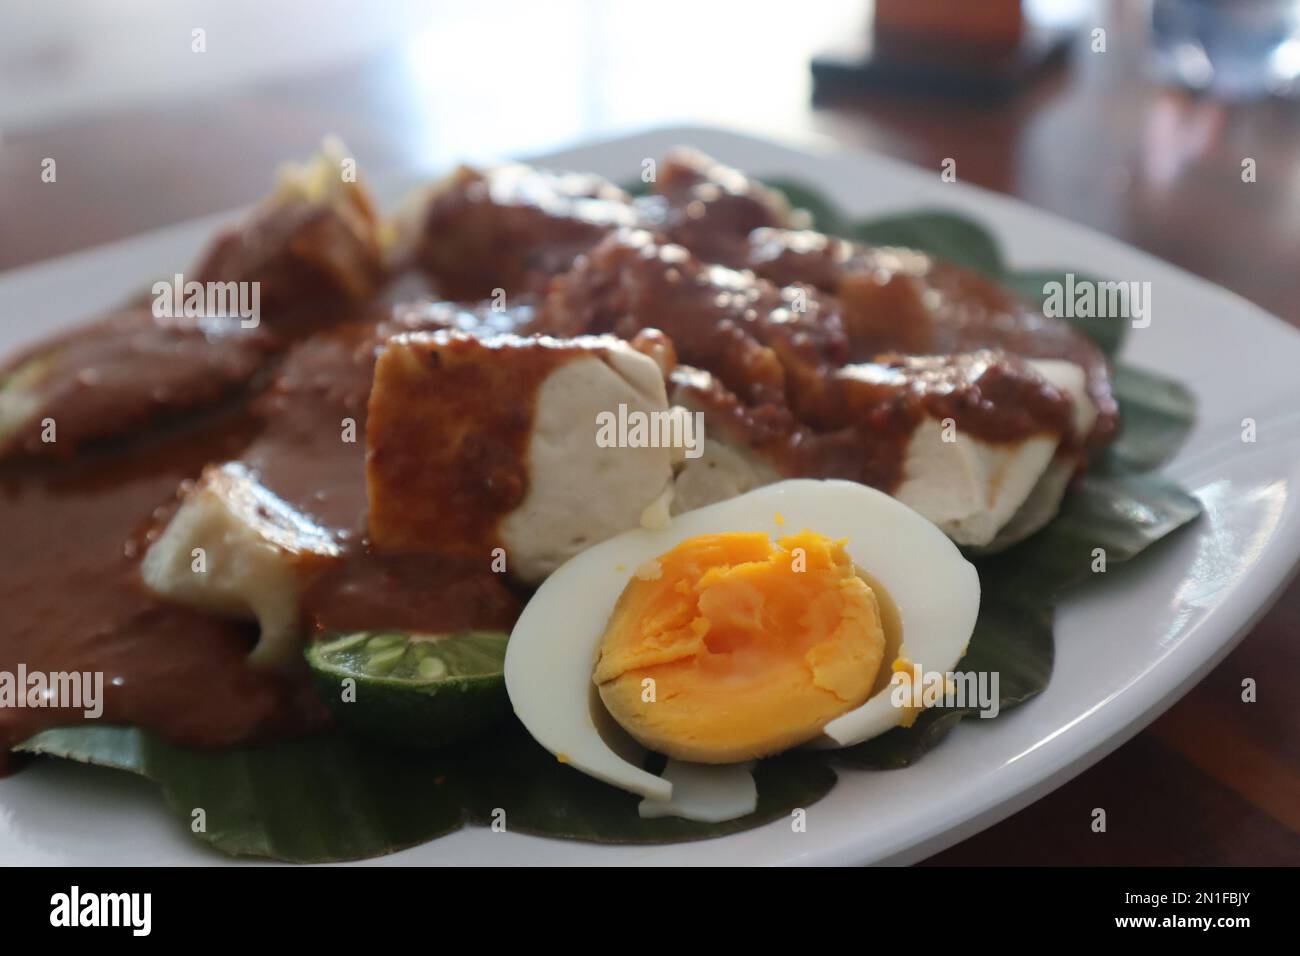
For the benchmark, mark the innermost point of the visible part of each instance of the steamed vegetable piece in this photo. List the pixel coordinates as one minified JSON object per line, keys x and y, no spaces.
{"x":413,"y":690}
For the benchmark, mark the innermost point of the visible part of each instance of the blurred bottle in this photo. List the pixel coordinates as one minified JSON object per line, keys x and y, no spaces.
{"x":1234,"y":49}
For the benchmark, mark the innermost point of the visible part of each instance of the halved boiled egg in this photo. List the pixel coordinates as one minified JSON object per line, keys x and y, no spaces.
{"x":732,"y":646}
{"x":739,"y":630}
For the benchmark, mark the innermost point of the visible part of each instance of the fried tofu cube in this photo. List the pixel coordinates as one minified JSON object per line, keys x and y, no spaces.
{"x":235,"y":548}
{"x":474,"y":444}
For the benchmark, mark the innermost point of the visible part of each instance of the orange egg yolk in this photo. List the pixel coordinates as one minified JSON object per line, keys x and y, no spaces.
{"x":730,"y":646}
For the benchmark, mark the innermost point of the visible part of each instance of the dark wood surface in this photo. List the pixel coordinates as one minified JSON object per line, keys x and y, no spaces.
{"x":1215,"y":780}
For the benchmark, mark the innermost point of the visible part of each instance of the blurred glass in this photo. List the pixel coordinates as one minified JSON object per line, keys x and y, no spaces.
{"x":1234,"y":49}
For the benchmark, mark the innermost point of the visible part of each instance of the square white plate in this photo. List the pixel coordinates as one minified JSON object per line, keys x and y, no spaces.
{"x":1126,"y":649}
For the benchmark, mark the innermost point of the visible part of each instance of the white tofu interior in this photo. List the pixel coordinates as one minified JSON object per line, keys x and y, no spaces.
{"x":1039,"y":508}
{"x":235,"y":548}
{"x":580,"y":493}
{"x":724,"y":469}
{"x":721,"y":472}
{"x":1044,"y":500}
{"x":1073,"y":381}
{"x":970,"y":488}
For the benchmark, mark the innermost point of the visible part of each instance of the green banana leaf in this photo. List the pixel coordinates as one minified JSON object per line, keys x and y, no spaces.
{"x":313,"y":800}
{"x":825,"y":217}
{"x":327,"y":797}
{"x":944,"y":235}
{"x":1032,"y":286}
{"x":540,"y":795}
{"x":1157,"y":413}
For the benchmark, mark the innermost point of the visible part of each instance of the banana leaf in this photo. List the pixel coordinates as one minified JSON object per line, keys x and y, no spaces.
{"x":1107,"y":332}
{"x":825,"y":217}
{"x":540,"y":795}
{"x":317,"y":799}
{"x":944,"y":235}
{"x":1156,"y":415}
{"x":328,"y":797}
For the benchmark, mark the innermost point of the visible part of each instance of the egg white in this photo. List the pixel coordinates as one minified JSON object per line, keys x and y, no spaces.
{"x":554,"y":645}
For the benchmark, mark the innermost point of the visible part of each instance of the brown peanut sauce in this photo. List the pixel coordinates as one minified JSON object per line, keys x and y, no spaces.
{"x":780,"y":361}
{"x":904,"y":301}
{"x":69,"y":582}
{"x":76,"y":529}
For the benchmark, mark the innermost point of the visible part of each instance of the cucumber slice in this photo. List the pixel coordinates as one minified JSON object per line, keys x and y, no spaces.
{"x":412,"y":690}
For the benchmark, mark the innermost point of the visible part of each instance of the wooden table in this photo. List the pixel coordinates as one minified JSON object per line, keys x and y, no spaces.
{"x":1214,"y":780}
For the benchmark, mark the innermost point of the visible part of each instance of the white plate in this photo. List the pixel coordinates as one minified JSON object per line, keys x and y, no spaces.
{"x":1126,"y":648}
